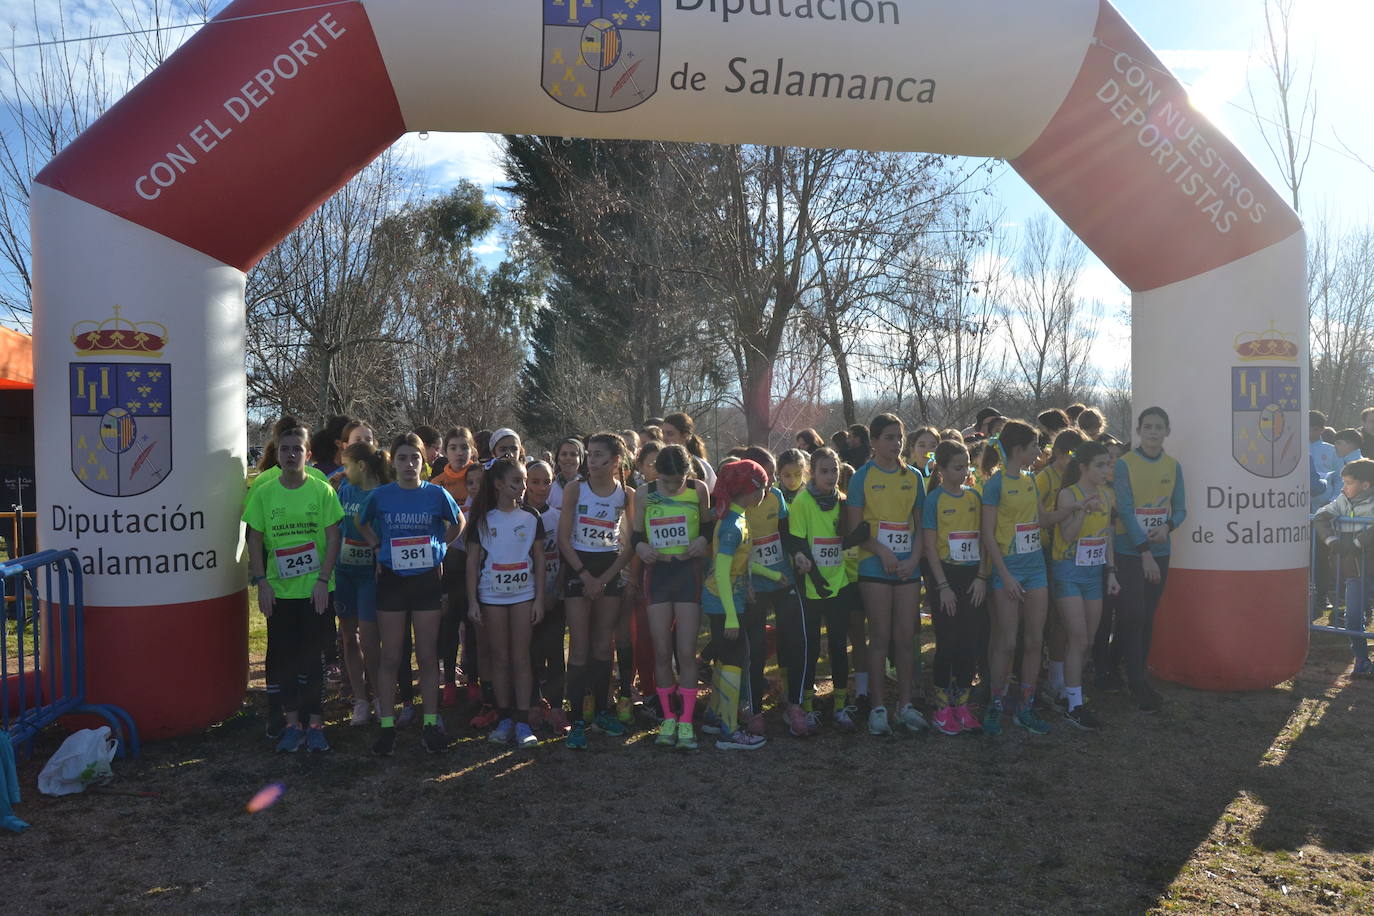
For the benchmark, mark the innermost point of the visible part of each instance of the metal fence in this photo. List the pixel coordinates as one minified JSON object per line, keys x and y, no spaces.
{"x":1350,"y":574}
{"x":43,"y":651}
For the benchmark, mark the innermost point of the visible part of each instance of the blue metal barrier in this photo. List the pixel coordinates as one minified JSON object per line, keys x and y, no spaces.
{"x":1342,"y":525}
{"x":43,"y":667}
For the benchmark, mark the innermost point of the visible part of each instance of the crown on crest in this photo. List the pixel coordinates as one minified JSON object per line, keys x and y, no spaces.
{"x":117,"y":336}
{"x":1273,"y":344}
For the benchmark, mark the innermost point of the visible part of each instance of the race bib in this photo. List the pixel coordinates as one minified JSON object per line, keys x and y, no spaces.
{"x":1091,"y":552}
{"x":963,"y":547}
{"x":827,"y":552}
{"x":510,"y":578}
{"x":356,"y":553}
{"x":293,"y":562}
{"x":594,"y":533}
{"x":668,"y":532}
{"x":895,"y":536}
{"x":1027,"y":538}
{"x":1152,"y":518}
{"x":768,"y":550}
{"x":412,"y":553}
{"x":553,"y":565}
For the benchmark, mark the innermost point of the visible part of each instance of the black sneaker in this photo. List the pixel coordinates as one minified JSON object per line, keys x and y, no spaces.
{"x":1147,"y":700}
{"x":433,"y":739}
{"x":1083,"y":718}
{"x":1110,"y":682}
{"x":386,"y":743}
{"x":864,"y":706}
{"x":276,"y":724}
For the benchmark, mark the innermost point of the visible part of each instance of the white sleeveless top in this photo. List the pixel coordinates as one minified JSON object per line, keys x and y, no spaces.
{"x":597,"y":520}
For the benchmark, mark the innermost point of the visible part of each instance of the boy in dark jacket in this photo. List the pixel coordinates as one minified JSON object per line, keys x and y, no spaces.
{"x":1353,"y":542}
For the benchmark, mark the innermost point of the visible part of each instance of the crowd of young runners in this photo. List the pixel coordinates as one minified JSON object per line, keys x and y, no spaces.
{"x":562,"y":592}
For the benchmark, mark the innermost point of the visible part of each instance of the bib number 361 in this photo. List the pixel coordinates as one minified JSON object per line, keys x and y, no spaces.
{"x":412,"y":553}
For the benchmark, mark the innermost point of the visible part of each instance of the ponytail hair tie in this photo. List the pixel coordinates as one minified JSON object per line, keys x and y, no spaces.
{"x":997,"y":441}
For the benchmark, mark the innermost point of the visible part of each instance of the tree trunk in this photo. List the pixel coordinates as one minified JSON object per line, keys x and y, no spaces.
{"x":836,"y":342}
{"x":756,"y":388}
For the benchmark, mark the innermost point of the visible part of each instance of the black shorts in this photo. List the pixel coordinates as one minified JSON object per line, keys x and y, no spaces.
{"x":673,"y":582}
{"x":423,"y":592}
{"x":596,"y":564}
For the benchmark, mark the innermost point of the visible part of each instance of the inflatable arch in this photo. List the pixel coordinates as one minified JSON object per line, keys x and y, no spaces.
{"x":143,"y":228}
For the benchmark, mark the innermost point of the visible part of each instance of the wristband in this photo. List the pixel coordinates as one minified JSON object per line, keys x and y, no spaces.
{"x":945,"y":585}
{"x":1111,"y":570}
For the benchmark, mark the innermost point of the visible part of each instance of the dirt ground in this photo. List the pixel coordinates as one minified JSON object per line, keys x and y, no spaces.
{"x":1258,"y":802}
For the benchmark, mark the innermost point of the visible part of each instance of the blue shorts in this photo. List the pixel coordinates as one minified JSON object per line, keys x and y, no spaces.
{"x":356,"y":596}
{"x":1027,"y":568}
{"x":1074,"y":581}
{"x":871,"y":570}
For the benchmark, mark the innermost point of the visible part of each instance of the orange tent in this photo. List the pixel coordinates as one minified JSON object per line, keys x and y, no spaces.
{"x":16,"y":360}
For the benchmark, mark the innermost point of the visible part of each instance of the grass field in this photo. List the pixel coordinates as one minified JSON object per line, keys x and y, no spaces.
{"x":1258,"y":802}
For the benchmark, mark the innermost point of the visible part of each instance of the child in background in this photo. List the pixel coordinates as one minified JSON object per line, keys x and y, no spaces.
{"x":1353,"y":542}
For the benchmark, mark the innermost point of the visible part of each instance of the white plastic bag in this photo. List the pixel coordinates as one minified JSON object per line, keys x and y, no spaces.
{"x":82,"y":760}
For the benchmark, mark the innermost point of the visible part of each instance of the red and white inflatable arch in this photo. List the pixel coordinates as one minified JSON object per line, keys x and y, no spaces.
{"x":143,"y":228}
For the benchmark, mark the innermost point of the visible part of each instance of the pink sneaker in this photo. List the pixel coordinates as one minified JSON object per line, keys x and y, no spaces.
{"x":756,"y":725}
{"x":557,"y":720}
{"x":450,"y":696}
{"x":946,"y":722}
{"x":795,"y":717}
{"x":966,"y":719}
{"x":486,"y":718}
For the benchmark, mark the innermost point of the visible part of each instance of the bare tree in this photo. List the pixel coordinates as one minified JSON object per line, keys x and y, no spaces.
{"x":1288,"y":130}
{"x":1052,"y":331}
{"x":1341,"y":295}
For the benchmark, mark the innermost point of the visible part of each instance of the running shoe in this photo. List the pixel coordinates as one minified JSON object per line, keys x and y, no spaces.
{"x":795,"y":717}
{"x":333,"y":674}
{"x":362,"y":713}
{"x":557,"y":720}
{"x":451,"y":696}
{"x":913,"y":720}
{"x":813,"y":723}
{"x":486,"y":717}
{"x":877,"y":721}
{"x":686,"y":737}
{"x":863,"y":706}
{"x":711,"y":723}
{"x":992,"y":720}
{"x":292,"y":739}
{"x":756,"y":726}
{"x":968,"y":722}
{"x":314,"y":739}
{"x":1082,"y":717}
{"x":741,"y":740}
{"x":524,"y":737}
{"x":502,"y":733}
{"x":844,"y":718}
{"x":625,"y":710}
{"x":1146,"y":699}
{"x":652,"y":710}
{"x":667,"y":733}
{"x":407,"y":716}
{"x":276,"y":724}
{"x":386,"y":742}
{"x":945,"y":721}
{"x":433,"y":739}
{"x":577,"y":736}
{"x":608,"y":724}
{"x":1027,"y":719}
{"x":1363,"y":668}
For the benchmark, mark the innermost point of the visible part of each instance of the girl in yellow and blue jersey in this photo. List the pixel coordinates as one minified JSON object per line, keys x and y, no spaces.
{"x":1150,"y":503}
{"x":1048,"y":480}
{"x":956,"y":577}
{"x":1012,"y":519}
{"x":1082,"y":549}
{"x":774,"y":592}
{"x":888,"y":495}
{"x":740,"y":486}
{"x":668,"y":518}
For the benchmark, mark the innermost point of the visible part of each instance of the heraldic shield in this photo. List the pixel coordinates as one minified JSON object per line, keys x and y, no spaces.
{"x":121,"y":426}
{"x":601,"y":55}
{"x":1266,"y":426}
